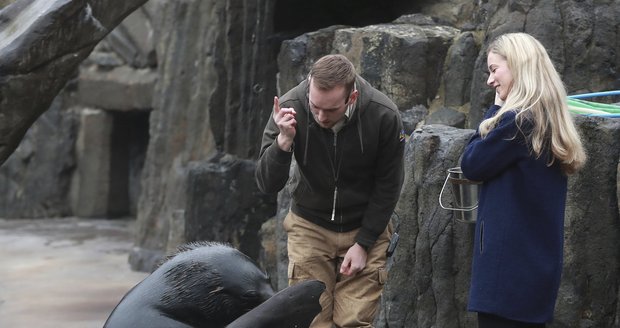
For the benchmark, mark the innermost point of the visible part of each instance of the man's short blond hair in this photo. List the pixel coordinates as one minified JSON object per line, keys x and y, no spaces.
{"x":333,"y":70}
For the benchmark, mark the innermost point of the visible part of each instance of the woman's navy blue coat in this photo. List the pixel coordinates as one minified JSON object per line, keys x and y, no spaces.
{"x":517,"y":261}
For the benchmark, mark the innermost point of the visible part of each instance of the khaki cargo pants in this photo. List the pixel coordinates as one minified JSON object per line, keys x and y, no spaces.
{"x":316,"y":253}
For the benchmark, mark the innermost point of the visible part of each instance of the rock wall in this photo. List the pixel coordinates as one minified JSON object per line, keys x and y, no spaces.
{"x":591,"y":278}
{"x":215,"y":80}
{"x":42,"y":45}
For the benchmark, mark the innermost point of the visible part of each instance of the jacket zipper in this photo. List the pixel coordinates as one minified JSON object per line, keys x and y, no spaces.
{"x":335,"y":177}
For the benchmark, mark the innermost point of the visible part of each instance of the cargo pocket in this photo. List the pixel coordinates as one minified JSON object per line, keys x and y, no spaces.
{"x":298,"y":272}
{"x":383,"y":276}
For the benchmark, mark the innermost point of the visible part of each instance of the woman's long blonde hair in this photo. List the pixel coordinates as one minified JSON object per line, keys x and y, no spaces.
{"x":538,"y":95}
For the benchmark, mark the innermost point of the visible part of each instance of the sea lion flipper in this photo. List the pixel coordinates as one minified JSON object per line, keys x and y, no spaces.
{"x":294,"y":306}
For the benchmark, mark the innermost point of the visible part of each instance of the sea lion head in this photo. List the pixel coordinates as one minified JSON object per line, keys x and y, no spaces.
{"x":212,"y":282}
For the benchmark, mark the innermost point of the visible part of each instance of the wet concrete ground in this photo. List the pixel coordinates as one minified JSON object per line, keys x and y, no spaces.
{"x":66,"y":273}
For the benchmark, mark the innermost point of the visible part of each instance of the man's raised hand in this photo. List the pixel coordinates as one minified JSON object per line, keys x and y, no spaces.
{"x":285,"y":120}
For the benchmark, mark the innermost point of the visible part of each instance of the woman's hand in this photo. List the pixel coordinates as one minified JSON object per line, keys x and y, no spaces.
{"x":498,"y":100}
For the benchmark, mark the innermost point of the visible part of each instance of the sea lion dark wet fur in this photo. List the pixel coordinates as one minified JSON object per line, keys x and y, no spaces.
{"x":295,"y":306}
{"x":204,"y":285}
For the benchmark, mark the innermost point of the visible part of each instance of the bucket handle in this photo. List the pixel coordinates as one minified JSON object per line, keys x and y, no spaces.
{"x":465,"y":209}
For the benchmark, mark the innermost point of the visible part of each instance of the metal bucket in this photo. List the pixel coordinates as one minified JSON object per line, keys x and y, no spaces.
{"x":465,"y":194}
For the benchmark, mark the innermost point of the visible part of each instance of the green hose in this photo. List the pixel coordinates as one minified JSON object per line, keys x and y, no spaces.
{"x":579,"y":106}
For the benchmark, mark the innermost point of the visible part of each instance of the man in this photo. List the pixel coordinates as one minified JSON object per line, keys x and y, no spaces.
{"x":348,"y":142}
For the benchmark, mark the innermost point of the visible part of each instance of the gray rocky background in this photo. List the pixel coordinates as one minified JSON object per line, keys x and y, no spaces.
{"x":162,"y":121}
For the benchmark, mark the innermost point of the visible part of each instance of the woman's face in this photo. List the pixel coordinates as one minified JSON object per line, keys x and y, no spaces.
{"x":500,"y":77}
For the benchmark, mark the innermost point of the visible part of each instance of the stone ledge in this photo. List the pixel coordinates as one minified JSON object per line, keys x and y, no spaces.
{"x":122,"y":88}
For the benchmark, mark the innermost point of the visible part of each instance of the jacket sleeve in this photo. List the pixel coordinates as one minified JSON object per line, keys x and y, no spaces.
{"x":389,"y":176}
{"x":503,"y":146}
{"x":272,"y":168}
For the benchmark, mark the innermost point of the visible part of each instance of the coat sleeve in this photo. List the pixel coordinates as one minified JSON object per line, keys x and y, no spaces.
{"x":389,"y":176}
{"x":485,"y":158}
{"x":272,"y":168}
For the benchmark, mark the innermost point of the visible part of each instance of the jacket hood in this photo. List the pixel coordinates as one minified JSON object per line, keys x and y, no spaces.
{"x":362,"y":101}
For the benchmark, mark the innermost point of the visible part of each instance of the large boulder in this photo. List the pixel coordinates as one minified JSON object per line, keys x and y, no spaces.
{"x":589,"y":292}
{"x":36,"y":180}
{"x":429,"y":277}
{"x":42,"y":43}
{"x":402,"y":59}
{"x":224,"y":204}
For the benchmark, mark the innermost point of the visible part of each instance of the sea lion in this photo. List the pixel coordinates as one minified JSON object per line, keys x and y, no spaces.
{"x":293,"y":307}
{"x":204,"y":285}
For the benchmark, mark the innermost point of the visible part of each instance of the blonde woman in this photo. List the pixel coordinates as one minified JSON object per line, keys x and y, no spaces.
{"x":523,"y":151}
